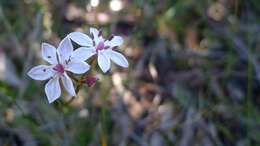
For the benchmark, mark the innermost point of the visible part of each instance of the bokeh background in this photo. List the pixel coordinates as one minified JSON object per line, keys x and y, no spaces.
{"x":193,"y":80}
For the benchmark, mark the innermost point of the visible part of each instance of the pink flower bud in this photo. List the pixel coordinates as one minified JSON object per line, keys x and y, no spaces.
{"x":90,"y":80}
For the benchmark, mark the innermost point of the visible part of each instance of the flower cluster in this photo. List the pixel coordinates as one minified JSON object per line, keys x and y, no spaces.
{"x":65,"y":59}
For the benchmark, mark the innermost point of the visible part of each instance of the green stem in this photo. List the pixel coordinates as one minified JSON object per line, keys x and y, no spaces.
{"x":80,"y":82}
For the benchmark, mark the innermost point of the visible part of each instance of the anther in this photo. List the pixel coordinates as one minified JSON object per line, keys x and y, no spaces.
{"x":110,"y":37}
{"x":92,"y":36}
{"x":100,"y":33}
{"x":115,"y":48}
{"x":106,"y":47}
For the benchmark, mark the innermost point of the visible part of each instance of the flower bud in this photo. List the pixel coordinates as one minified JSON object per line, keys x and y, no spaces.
{"x":90,"y":80}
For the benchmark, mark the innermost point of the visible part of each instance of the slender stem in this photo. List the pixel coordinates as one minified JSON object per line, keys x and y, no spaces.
{"x":80,"y":81}
{"x":79,"y":85}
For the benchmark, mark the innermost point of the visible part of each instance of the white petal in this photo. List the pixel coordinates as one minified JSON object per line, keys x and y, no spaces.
{"x":65,"y":50}
{"x":95,"y":33}
{"x":52,"y":89}
{"x":81,"y":39}
{"x":83,"y":53}
{"x":77,"y":67}
{"x":49,"y":53}
{"x":103,"y":62}
{"x":118,"y":58}
{"x":41,"y":72}
{"x":116,"y":41}
{"x":68,"y":85}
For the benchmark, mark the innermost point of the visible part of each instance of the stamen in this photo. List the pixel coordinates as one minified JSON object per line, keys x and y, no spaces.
{"x":106,"y":47}
{"x":100,"y":33}
{"x":92,"y":36}
{"x":115,"y":48}
{"x":110,"y":37}
{"x":67,"y":61}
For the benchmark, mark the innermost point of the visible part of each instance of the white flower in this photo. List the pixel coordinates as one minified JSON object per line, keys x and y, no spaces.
{"x":61,"y":60}
{"x":103,"y":48}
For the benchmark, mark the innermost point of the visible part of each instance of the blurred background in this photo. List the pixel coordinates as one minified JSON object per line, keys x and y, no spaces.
{"x":193,"y":80}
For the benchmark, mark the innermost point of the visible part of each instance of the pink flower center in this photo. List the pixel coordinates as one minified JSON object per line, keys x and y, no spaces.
{"x":59,"y":68}
{"x":100,"y":46}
